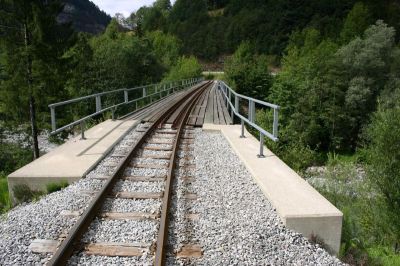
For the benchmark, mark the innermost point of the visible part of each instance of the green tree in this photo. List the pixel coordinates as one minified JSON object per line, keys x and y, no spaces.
{"x":167,"y":47}
{"x":357,"y":21}
{"x":248,"y":73}
{"x":164,"y":5}
{"x":186,"y":67}
{"x":383,"y":157}
{"x":34,"y":44}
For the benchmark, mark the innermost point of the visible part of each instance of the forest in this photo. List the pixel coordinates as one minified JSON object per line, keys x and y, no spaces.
{"x":332,"y":66}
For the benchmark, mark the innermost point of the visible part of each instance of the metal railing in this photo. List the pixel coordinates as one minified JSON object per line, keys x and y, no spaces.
{"x":234,"y":107}
{"x":154,"y":89}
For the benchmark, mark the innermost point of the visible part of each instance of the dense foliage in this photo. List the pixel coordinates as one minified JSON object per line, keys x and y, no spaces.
{"x":213,"y":28}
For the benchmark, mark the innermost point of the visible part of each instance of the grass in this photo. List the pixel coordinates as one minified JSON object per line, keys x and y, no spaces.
{"x":384,"y":256}
{"x":5,"y":203}
{"x":53,"y":187}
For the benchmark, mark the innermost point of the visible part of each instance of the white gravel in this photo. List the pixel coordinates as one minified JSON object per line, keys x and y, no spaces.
{"x":147,"y":187}
{"x":130,"y":205}
{"x":151,"y":161}
{"x":164,"y":146}
{"x":121,"y":231}
{"x":146,"y":172}
{"x":82,"y":259}
{"x":237,"y":225}
{"x":42,"y":219}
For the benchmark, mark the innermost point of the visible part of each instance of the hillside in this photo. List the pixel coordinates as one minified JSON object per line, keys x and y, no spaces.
{"x":85,"y":16}
{"x":212,"y":28}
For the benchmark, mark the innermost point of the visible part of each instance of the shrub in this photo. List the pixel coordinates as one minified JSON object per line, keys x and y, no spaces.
{"x":5,"y":203}
{"x":186,"y":67}
{"x":53,"y":187}
{"x":23,"y":193}
{"x":13,"y":157}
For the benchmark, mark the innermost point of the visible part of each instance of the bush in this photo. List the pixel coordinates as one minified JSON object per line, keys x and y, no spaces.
{"x":383,"y":153}
{"x":248,"y":73}
{"x":186,"y":68}
{"x":13,"y":157}
{"x":23,"y":193}
{"x":53,"y":187}
{"x":5,"y":203}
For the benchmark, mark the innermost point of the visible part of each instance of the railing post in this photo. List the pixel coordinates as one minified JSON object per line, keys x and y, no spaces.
{"x":242,"y":123}
{"x":144,"y":92}
{"x":236,"y":104}
{"x":98,"y":103}
{"x":126,"y":96}
{"x":261,"y":154}
{"x":230,"y":97}
{"x":53,"y":118}
{"x":83,"y":130}
{"x":113,"y":114}
{"x":251,"y":111}
{"x":275,"y":128}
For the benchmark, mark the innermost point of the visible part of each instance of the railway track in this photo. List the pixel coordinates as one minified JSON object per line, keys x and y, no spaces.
{"x":145,"y":173}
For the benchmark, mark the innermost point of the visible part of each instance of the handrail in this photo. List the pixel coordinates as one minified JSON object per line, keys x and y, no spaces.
{"x":228,"y":93}
{"x":159,"y":88}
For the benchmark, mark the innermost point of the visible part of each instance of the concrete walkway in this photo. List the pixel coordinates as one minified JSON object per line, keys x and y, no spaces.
{"x":72,"y":160}
{"x":299,"y":205}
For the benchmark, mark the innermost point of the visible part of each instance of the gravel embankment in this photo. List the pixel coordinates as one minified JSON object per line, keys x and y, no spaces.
{"x":42,"y":219}
{"x":237,"y":225}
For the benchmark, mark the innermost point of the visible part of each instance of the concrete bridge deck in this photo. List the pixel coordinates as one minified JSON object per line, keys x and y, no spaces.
{"x":299,"y":206}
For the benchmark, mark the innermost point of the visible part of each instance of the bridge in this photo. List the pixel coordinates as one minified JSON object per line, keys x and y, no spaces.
{"x":186,"y":178}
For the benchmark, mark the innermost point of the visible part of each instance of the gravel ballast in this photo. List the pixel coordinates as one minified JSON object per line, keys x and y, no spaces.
{"x":42,"y":219}
{"x":237,"y":225}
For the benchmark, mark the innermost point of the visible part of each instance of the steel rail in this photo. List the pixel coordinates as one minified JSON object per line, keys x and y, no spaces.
{"x":179,"y":124}
{"x":67,"y":247}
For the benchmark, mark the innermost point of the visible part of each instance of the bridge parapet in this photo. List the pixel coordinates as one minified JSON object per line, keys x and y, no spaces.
{"x":150,"y":92}
{"x":232,"y":102}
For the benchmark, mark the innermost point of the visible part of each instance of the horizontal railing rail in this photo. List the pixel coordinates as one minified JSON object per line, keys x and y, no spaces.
{"x":158,"y":89}
{"x":234,"y":107}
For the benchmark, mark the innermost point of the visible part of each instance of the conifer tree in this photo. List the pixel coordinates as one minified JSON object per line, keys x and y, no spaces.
{"x":34,"y":43}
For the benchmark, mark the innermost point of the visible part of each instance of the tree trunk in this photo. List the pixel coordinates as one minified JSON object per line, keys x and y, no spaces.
{"x":32,"y":114}
{"x":32,"y":111}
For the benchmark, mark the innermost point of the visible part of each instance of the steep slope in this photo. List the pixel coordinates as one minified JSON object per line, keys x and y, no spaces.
{"x":84,"y":15}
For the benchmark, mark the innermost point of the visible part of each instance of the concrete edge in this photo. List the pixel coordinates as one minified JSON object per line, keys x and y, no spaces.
{"x":112,"y":145}
{"x":325,"y":227}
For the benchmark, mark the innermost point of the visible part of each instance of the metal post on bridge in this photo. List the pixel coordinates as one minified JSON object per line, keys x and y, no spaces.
{"x":98,"y":103}
{"x":53,"y":118}
{"x":113,"y":113}
{"x":275,"y":126}
{"x":261,"y":154}
{"x":252,"y":111}
{"x":126,"y":96}
{"x":242,"y":124}
{"x":83,"y":130}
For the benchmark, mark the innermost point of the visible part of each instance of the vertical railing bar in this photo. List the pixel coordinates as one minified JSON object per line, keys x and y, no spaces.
{"x":242,"y":129}
{"x":261,"y":154}
{"x":98,"y":103}
{"x":53,"y":118}
{"x":83,"y":130}
{"x":275,"y":127}
{"x":126,"y":96}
